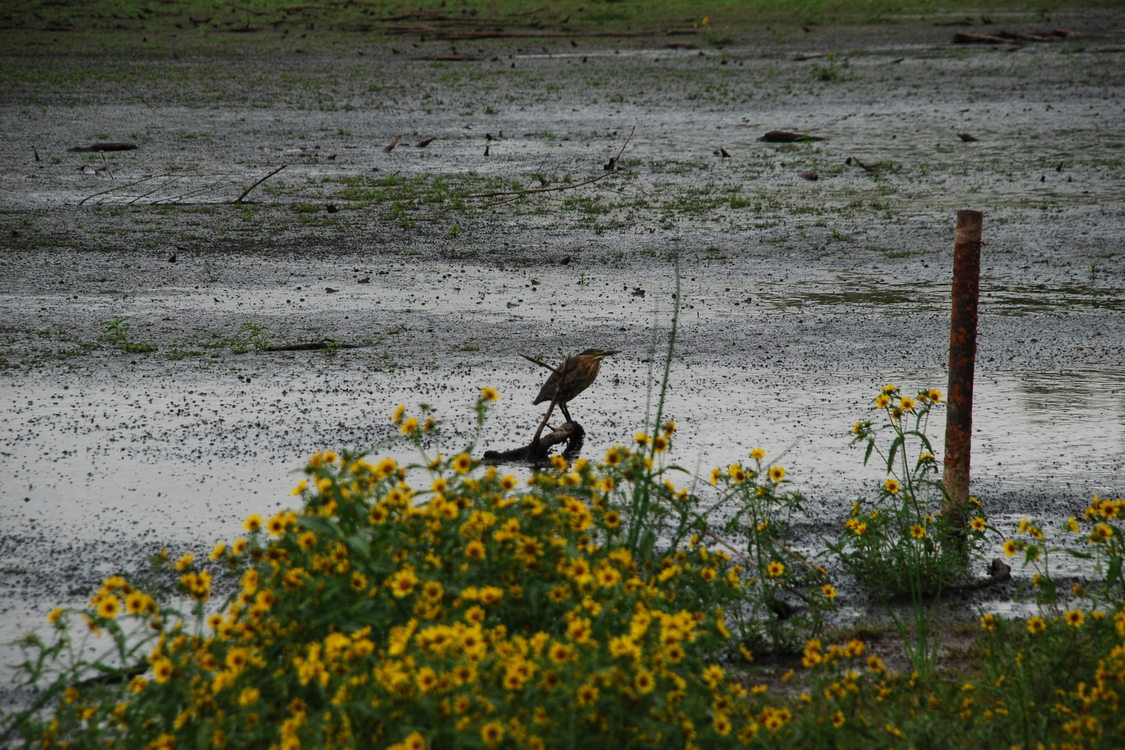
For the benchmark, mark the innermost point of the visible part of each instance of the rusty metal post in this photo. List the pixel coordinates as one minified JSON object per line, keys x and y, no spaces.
{"x":962,"y":364}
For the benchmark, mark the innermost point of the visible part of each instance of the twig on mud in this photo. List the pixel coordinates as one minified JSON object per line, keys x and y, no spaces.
{"x":311,"y":346}
{"x":122,"y":187}
{"x":158,"y":187}
{"x":572,"y":186}
{"x":259,"y":182}
{"x":852,"y":161}
{"x":177,"y":199}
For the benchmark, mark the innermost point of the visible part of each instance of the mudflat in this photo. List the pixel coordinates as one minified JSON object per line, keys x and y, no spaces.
{"x":178,"y":337}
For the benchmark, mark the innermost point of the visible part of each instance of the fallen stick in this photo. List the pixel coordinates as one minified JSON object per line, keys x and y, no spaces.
{"x":571,"y":186}
{"x":158,"y":187}
{"x":311,"y":346}
{"x":122,"y":187}
{"x":964,"y":37}
{"x":784,"y":136}
{"x":259,"y":182}
{"x":1022,"y":37}
{"x":536,"y":452}
{"x":852,"y":161}
{"x":106,"y":146}
{"x":539,"y":362}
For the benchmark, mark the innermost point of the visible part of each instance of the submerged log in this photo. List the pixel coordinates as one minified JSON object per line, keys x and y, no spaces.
{"x":535,"y":453}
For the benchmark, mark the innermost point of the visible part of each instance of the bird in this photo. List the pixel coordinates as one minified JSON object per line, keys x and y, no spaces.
{"x":568,"y":380}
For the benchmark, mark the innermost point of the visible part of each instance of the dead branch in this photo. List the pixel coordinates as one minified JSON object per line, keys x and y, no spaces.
{"x":1022,"y":37}
{"x":784,"y":136}
{"x":259,"y":182}
{"x":852,"y":161}
{"x":310,"y":346}
{"x":104,"y":146}
{"x":558,"y":188}
{"x":965,"y":37}
{"x":173,"y":179}
{"x":539,"y":362}
{"x":535,"y":453}
{"x":122,"y":187}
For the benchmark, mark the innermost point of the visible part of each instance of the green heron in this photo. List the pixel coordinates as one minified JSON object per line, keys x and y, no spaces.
{"x":571,"y":378}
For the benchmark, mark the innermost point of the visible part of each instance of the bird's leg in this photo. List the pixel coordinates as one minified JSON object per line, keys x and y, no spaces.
{"x":538,"y":432}
{"x":565,"y":412}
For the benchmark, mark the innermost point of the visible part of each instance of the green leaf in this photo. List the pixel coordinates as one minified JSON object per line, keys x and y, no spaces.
{"x":1114,"y":571}
{"x":898,"y":441}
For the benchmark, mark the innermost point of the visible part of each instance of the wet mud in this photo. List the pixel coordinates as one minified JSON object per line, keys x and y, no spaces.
{"x":143,"y":407}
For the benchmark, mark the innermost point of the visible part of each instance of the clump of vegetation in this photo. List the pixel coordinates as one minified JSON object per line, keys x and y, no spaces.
{"x":903,"y":540}
{"x":117,"y":335}
{"x":446,"y":604}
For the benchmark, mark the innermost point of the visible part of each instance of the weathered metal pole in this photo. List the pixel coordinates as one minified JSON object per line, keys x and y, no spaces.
{"x":962,"y":364}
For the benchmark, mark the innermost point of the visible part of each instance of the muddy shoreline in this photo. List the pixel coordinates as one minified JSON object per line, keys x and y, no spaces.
{"x":141,"y":409}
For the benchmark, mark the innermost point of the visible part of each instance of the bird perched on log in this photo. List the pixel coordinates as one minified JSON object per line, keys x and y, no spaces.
{"x":568,"y":380}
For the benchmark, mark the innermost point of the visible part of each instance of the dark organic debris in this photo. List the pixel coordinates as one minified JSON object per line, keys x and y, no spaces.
{"x":964,"y":37}
{"x":104,"y":146}
{"x":310,"y":346}
{"x":425,"y":142}
{"x":785,"y":136}
{"x":535,"y":454}
{"x":967,"y":138}
{"x":1007,"y":36}
{"x":721,"y":152}
{"x":811,"y":176}
{"x":851,"y":161}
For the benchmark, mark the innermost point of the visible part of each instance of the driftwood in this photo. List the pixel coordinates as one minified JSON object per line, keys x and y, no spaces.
{"x":310,"y":346}
{"x":784,"y":136}
{"x":106,"y":146}
{"x":535,"y":453}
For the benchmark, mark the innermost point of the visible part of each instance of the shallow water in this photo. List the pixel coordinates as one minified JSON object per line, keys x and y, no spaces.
{"x":798,"y":300}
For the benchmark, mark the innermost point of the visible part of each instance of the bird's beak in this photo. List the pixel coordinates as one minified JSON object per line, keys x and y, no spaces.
{"x":606,"y":354}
